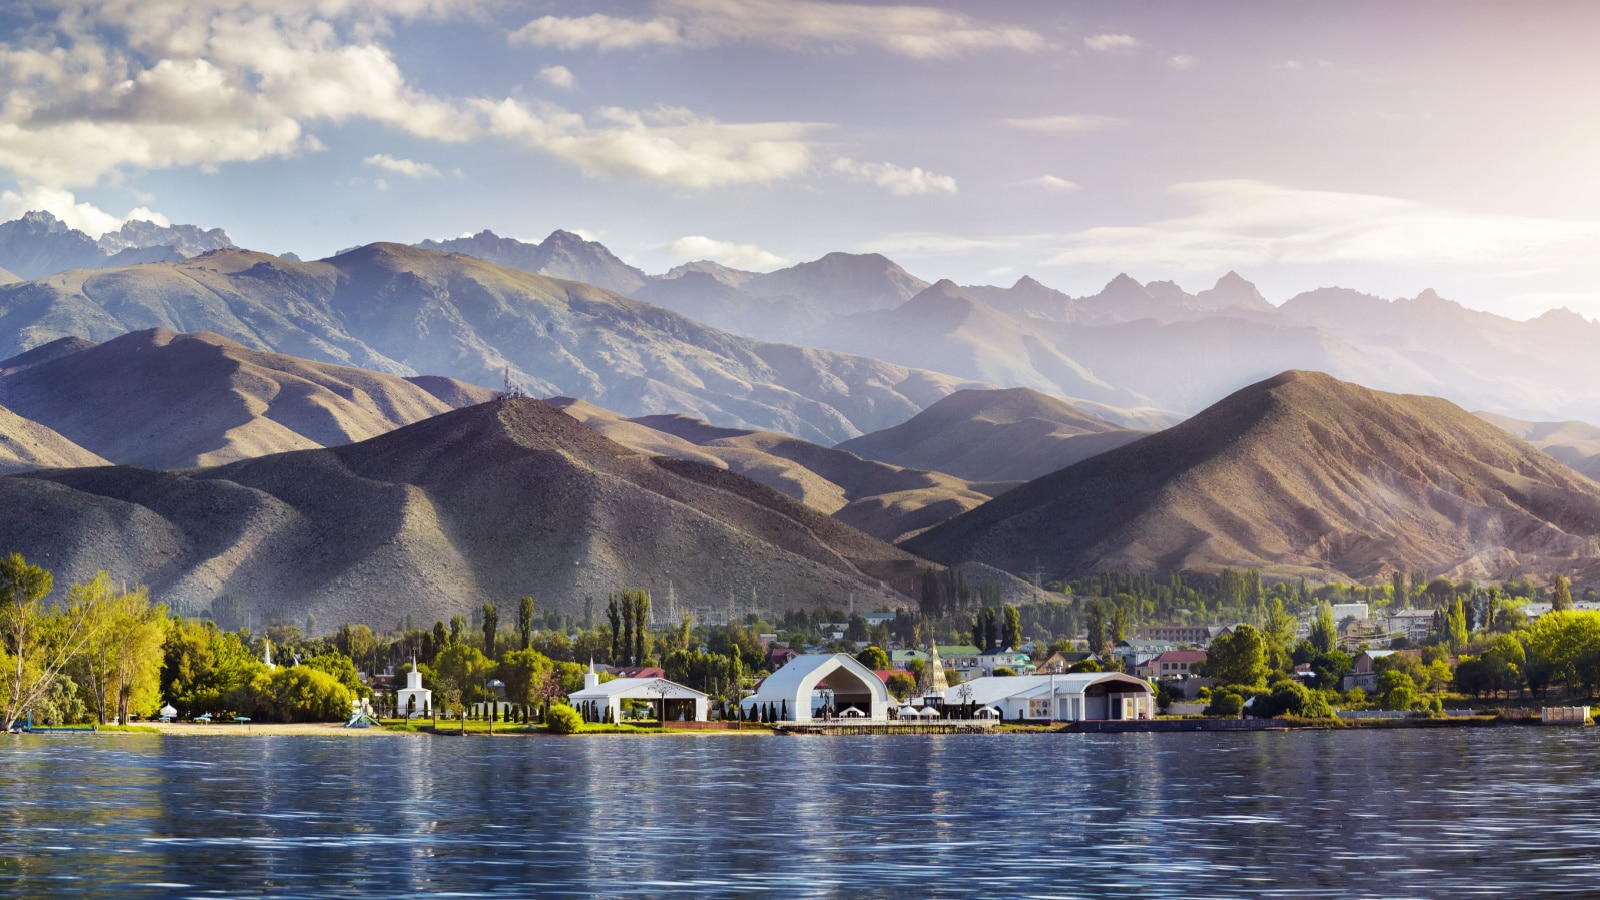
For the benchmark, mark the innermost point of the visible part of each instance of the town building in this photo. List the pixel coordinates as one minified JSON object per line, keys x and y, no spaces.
{"x":602,"y":702}
{"x":1176,"y":633}
{"x":1363,"y":672}
{"x":1062,"y":661}
{"x":1136,"y":651}
{"x":1171,"y":664}
{"x":1343,"y":611}
{"x":1411,"y":624}
{"x":1071,"y":698}
{"x":1003,"y":658}
{"x":815,"y":685}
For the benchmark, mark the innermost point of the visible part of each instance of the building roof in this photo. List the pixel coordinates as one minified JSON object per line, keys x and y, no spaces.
{"x":634,"y":689}
{"x":993,"y":689}
{"x":949,"y":650}
{"x":1180,"y":656}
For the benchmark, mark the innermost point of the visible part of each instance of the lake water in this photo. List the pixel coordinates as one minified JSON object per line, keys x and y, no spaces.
{"x":1436,"y":813}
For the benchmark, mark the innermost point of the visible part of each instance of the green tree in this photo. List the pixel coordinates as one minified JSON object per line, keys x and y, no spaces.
{"x":525,"y":622}
{"x":36,"y":643}
{"x":901,"y":685}
{"x":873,"y":658}
{"x":524,"y":673}
{"x":1324,"y":633}
{"x":120,"y":664}
{"x":1239,"y":658}
{"x":458,"y":627}
{"x":295,"y":694}
{"x":491,"y":628}
{"x":1012,"y":637}
{"x":1560,"y":595}
{"x":463,"y":666}
{"x":1396,"y":691}
{"x":202,"y":664}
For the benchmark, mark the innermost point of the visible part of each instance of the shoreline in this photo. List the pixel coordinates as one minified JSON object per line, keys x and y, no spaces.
{"x":1148,"y":726}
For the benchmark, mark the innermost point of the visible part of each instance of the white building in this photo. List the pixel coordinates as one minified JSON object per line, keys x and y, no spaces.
{"x":413,"y":700}
{"x":603,"y":702}
{"x":1342,"y":611}
{"x":1070,"y":698}
{"x":807,"y":684}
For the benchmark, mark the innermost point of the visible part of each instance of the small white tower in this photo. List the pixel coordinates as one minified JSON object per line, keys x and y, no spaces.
{"x":591,"y":679}
{"x":413,"y":691}
{"x":266,"y":654}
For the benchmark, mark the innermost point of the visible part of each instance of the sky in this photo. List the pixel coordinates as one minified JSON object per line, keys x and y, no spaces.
{"x":1385,"y":146}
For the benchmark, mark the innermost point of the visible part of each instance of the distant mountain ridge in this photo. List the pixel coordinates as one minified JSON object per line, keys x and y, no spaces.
{"x":39,"y":244}
{"x":406,"y":311}
{"x":561,"y":255}
{"x":1300,"y":474}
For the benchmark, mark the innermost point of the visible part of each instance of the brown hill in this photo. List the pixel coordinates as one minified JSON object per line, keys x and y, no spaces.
{"x":886,"y":501}
{"x":1300,"y":473}
{"x":25,"y":444}
{"x":163,"y":400}
{"x":1010,"y":435}
{"x":484,"y":504}
{"x":1575,"y":443}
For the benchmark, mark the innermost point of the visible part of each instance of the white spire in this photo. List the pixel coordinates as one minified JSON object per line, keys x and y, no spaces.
{"x":591,"y":679}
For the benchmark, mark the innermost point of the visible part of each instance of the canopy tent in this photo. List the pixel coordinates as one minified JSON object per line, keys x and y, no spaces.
{"x":600,"y":702}
{"x":809,"y":682}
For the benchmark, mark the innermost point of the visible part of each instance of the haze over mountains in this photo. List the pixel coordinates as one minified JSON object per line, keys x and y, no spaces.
{"x":1300,"y":474}
{"x":407,"y":312}
{"x":1007,"y":435}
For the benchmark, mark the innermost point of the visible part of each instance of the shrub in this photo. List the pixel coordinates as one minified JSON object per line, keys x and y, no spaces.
{"x":1226,"y":704}
{"x":563,"y":720}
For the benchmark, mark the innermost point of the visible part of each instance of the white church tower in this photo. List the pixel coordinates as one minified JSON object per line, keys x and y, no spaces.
{"x":413,"y":691}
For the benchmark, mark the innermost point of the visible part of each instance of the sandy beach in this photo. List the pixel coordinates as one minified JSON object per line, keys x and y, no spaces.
{"x":264,"y":729}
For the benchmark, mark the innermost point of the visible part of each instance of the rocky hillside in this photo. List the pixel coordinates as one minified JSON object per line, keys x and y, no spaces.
{"x":164,"y":400}
{"x":1298,"y":474}
{"x":886,"y":501}
{"x":484,"y":504}
{"x":25,"y":444}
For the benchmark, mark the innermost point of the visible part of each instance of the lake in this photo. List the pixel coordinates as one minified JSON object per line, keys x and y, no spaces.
{"x":1423,"y":813}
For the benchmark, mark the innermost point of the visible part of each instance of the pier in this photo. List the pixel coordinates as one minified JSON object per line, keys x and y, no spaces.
{"x":843,"y":726}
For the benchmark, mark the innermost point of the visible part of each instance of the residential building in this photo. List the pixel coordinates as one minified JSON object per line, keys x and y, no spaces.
{"x":1062,"y":661}
{"x":1176,"y":633}
{"x":1171,"y":664}
{"x":1363,"y":673}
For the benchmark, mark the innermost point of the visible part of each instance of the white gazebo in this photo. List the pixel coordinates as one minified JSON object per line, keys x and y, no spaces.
{"x":1071,"y":698}
{"x":681,"y":703}
{"x":413,"y":691}
{"x":807,"y":683}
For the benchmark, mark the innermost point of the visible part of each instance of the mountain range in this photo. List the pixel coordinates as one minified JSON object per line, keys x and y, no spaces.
{"x":39,"y":244}
{"x":1300,"y":474}
{"x":405,"y":311}
{"x":495,"y":501}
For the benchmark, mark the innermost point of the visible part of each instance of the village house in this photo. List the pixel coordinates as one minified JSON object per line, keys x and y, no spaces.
{"x":1062,"y":661}
{"x":1001,"y":658}
{"x":960,"y":657}
{"x":1135,"y":652}
{"x":1411,"y":624}
{"x":602,"y":702}
{"x":1362,"y":673}
{"x":1171,"y":664}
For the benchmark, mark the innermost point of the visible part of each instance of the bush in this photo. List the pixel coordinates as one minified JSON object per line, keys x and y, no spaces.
{"x":294,"y":694}
{"x":1226,"y":704}
{"x":563,"y":719}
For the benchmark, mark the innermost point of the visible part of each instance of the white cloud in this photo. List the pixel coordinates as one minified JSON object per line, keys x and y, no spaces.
{"x":1182,"y":61}
{"x":919,"y":32}
{"x":201,"y":84}
{"x":1051,"y":183}
{"x":667,"y":144}
{"x":64,"y":205}
{"x":598,"y":31}
{"x":1103,"y":42}
{"x":740,"y":256}
{"x":405,"y":167}
{"x":558,"y":76}
{"x":899,"y":181}
{"x":1066,"y":124}
{"x":1251,"y":223}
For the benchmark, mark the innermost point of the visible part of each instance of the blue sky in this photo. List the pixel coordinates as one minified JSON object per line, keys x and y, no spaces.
{"x":1388,"y":146}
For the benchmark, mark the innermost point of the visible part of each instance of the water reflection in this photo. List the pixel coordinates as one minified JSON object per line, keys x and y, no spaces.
{"x":1356,"y":814}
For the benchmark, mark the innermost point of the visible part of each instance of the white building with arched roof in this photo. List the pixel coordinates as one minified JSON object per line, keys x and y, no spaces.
{"x":1059,"y":698}
{"x":808,"y":683}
